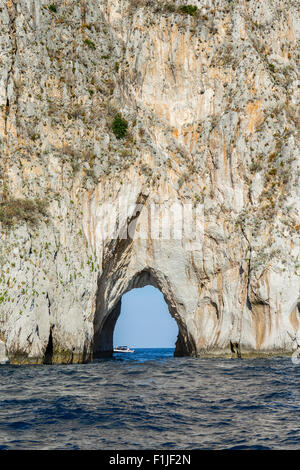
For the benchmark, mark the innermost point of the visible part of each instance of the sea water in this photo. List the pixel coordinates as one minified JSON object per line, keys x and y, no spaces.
{"x":151,"y":400}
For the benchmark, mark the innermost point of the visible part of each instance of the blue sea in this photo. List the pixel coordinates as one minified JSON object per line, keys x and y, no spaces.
{"x":151,"y":400}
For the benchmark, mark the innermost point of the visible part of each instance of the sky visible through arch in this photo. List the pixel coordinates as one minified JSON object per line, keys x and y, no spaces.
{"x":145,"y":321}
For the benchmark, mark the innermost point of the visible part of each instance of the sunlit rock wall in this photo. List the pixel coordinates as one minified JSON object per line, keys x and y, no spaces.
{"x":212,"y":104}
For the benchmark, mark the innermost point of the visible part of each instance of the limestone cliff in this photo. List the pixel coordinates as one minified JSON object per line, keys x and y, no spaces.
{"x":211,"y":97}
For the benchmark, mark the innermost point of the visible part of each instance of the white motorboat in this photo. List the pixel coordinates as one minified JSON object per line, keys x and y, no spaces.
{"x":123,"y":349}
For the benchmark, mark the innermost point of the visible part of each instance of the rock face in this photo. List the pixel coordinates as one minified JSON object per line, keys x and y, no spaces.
{"x":3,"y":357}
{"x":212,"y":105}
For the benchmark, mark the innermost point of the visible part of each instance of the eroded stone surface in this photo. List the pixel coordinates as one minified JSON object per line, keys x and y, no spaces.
{"x":3,"y":356}
{"x":212,"y":103}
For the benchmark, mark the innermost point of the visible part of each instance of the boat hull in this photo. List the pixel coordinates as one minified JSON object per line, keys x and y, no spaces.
{"x":120,"y":351}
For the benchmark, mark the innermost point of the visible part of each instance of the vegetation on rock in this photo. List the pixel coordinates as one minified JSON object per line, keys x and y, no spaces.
{"x":17,"y":210}
{"x":188,"y":9}
{"x":53,"y":8}
{"x":119,"y":126}
{"x":90,"y":44}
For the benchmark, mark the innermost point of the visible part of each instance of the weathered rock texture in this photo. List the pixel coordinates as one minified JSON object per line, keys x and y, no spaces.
{"x":212,"y":102}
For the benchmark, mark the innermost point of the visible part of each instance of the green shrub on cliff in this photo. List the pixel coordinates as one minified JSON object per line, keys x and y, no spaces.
{"x":53,"y":8}
{"x":89,"y":43}
{"x":15,"y":210}
{"x":188,"y":9}
{"x":119,"y":126}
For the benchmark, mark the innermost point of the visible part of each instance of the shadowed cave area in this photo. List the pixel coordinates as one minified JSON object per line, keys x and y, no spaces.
{"x":104,"y":324}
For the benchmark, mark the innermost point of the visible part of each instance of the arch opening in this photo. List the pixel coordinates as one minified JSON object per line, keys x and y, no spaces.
{"x":106,"y":316}
{"x":145,"y":321}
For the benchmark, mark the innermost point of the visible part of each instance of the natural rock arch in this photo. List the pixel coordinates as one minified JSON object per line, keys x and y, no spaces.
{"x":105,"y":320}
